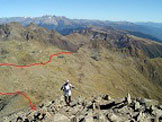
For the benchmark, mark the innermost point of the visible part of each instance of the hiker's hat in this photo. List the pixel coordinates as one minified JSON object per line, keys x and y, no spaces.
{"x":67,"y":81}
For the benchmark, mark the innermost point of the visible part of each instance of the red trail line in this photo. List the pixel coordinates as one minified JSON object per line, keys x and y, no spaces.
{"x":33,"y":107}
{"x":35,"y":64}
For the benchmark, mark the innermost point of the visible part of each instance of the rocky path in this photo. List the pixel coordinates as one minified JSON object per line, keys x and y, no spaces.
{"x":97,"y":109}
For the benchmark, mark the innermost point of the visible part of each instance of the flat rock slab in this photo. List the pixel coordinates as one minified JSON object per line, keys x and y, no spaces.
{"x":60,"y":118}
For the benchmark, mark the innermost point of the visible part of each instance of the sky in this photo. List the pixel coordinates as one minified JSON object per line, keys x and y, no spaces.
{"x":114,"y":10}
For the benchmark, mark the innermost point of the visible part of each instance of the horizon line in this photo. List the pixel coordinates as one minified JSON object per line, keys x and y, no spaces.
{"x":2,"y":17}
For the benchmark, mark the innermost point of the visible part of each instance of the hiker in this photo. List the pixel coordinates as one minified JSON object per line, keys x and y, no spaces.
{"x":67,"y":91}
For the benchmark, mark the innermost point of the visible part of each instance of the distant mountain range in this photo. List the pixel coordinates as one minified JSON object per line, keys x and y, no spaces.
{"x":66,"y":26}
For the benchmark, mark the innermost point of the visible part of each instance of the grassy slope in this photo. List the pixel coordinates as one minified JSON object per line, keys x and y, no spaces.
{"x":113,"y":74}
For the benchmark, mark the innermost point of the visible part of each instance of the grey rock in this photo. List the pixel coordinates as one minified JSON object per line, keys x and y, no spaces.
{"x":98,"y":109}
{"x":125,"y":110}
{"x":74,"y":119}
{"x":88,"y":118}
{"x":73,"y":103}
{"x":112,"y":117}
{"x":142,"y":117}
{"x":160,"y":106}
{"x":137,"y":106}
{"x":60,"y":118}
{"x":155,"y":111}
{"x":147,"y":102}
{"x":128,"y":99}
{"x":100,"y":117}
{"x":120,"y":101}
{"x":106,"y":97}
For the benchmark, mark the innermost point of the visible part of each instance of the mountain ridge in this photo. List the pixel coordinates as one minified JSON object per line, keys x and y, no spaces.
{"x":65,"y":25}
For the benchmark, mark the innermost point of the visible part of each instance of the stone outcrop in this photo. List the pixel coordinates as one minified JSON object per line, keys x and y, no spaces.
{"x":96,"y":109}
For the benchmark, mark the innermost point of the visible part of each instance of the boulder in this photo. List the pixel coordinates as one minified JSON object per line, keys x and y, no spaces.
{"x":113,"y":117}
{"x":120,"y":101}
{"x":155,"y":111}
{"x":137,"y":106}
{"x":74,"y":119}
{"x":142,"y":117}
{"x":98,"y":109}
{"x":125,"y":110}
{"x":106,"y":97}
{"x":60,"y":118}
{"x":128,"y":99}
{"x":88,"y":119}
{"x":100,"y":117}
{"x":79,"y":100}
{"x":147,"y":102}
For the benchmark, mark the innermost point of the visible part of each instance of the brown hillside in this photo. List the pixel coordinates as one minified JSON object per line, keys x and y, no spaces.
{"x":103,"y":61}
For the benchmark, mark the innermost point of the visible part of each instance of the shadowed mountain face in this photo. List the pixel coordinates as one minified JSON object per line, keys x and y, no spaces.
{"x":104,"y":60}
{"x":96,"y":37}
{"x":121,"y":41}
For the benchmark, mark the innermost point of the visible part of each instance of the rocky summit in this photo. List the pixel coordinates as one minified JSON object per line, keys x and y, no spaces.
{"x":101,"y":108}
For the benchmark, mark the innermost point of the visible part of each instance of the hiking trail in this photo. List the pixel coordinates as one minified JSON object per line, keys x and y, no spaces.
{"x":33,"y":107}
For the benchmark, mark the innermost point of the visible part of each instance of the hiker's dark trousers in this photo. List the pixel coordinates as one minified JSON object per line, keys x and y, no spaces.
{"x":67,"y":99}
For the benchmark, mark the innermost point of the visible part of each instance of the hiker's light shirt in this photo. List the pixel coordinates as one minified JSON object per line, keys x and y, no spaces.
{"x":67,"y":89}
